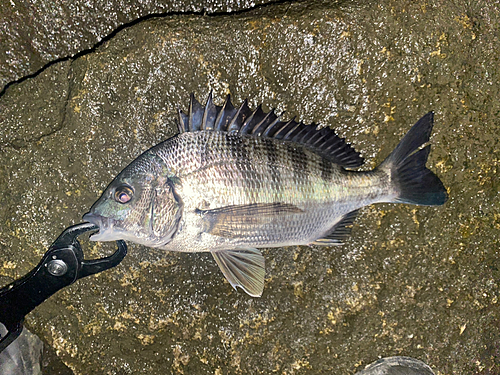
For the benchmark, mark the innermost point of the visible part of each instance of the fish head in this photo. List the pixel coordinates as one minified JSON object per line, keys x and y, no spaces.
{"x":139,"y":205}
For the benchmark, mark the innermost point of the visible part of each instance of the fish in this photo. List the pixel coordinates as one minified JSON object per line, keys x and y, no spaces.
{"x":235,"y":180}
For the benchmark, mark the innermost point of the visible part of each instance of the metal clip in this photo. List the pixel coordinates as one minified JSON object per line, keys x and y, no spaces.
{"x":61,"y":266}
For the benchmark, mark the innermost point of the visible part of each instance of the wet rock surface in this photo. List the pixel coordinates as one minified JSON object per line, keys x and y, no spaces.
{"x":414,"y":281}
{"x":35,"y":33}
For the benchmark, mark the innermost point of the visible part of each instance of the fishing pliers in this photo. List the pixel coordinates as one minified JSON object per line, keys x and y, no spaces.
{"x":61,"y":266}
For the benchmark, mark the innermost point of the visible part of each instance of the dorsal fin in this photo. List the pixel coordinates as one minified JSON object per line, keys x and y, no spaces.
{"x":257,"y":123}
{"x":209,"y":114}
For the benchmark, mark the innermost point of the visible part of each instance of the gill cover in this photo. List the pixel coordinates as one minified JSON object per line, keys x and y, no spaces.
{"x":166,"y":211}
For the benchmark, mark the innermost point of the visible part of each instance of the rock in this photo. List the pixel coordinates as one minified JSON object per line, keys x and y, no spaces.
{"x":38,"y":33}
{"x":413,"y":281}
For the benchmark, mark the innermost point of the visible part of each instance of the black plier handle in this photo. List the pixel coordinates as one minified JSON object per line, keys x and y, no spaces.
{"x":61,"y":266}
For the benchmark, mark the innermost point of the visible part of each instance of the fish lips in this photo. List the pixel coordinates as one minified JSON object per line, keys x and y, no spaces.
{"x":105,"y":227}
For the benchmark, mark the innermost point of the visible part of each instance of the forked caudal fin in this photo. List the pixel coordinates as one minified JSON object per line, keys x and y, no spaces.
{"x":414,"y":182}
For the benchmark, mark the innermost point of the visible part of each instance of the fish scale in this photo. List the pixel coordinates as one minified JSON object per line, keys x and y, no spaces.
{"x":218,"y":181}
{"x":235,"y":180}
{"x":295,"y":178}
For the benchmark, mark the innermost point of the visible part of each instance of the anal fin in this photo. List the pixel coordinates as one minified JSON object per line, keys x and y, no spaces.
{"x":244,"y":268}
{"x":339,"y":232}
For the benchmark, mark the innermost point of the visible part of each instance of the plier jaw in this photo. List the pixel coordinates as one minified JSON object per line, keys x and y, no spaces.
{"x":61,"y":266}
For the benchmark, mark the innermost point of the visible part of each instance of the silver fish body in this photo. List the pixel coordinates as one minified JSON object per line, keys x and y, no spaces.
{"x":235,"y":180}
{"x":273,"y":193}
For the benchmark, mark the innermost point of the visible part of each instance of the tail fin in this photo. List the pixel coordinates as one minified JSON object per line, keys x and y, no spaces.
{"x":415,"y":183}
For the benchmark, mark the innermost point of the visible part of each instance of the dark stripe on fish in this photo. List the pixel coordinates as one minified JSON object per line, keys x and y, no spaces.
{"x":272,"y":153}
{"x":298,"y":158}
{"x":241,"y":154}
{"x":205,"y":152}
{"x":326,"y":169}
{"x":239,"y":151}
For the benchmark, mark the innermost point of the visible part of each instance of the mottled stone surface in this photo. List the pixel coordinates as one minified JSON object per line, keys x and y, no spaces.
{"x":35,"y":33}
{"x":415,"y":281}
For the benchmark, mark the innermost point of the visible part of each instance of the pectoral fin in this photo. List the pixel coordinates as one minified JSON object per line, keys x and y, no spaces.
{"x":243,"y":268}
{"x":339,"y":232}
{"x":240,"y":220}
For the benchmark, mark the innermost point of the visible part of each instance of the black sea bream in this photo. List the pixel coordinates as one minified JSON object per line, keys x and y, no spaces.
{"x":235,"y":180}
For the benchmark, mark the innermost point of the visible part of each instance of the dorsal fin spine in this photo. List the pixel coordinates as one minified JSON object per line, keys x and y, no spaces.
{"x":206,"y":111}
{"x":292,"y":121}
{"x":271,"y":126}
{"x":233,"y":123}
{"x":258,"y":112}
{"x":284,"y":128}
{"x":181,"y":125}
{"x":332,"y":145}
{"x":246,"y":124}
{"x":220,"y":116}
{"x":261,"y":127}
{"x":301,"y":132}
{"x":316,"y":138}
{"x":190,"y":113}
{"x":257,"y":123}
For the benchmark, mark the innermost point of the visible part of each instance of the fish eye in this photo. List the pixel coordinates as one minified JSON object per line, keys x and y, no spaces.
{"x":123,"y":194}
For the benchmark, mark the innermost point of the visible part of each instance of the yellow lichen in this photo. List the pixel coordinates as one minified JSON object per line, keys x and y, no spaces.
{"x":146,"y":339}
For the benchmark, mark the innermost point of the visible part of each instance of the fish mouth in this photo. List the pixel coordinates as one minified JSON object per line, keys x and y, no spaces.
{"x":105,"y":227}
